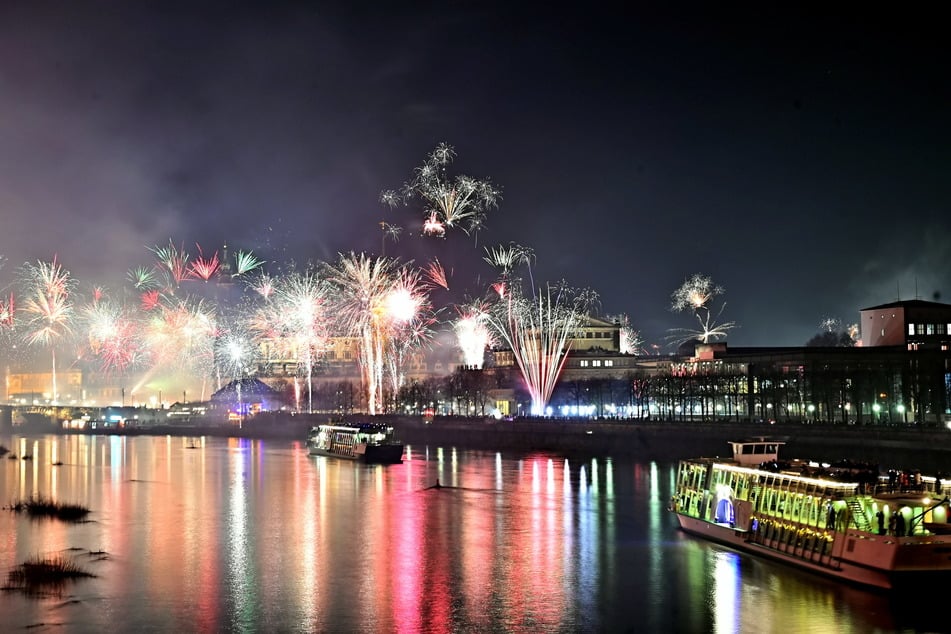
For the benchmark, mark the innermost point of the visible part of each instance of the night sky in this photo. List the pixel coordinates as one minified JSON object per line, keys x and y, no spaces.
{"x":799,"y":161}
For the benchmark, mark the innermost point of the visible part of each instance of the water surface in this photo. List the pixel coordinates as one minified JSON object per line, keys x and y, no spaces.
{"x":210,"y":534}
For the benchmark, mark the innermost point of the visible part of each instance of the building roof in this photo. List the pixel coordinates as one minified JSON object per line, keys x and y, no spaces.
{"x":910,"y":303}
{"x":252,"y":390}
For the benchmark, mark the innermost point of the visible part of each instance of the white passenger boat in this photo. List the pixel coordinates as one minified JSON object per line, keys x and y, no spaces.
{"x":844,"y":520}
{"x":366,"y":442}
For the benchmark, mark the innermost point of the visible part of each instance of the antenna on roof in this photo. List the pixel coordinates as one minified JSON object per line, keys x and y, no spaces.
{"x":916,"y":288}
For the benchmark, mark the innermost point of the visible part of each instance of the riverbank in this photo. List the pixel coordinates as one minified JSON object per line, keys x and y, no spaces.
{"x":636,"y":440}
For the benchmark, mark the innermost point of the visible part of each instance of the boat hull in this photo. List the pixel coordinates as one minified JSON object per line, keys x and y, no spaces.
{"x":883,"y":563}
{"x":370,"y":454}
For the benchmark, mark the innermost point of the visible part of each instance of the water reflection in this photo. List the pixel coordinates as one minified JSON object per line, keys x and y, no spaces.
{"x":213,"y":534}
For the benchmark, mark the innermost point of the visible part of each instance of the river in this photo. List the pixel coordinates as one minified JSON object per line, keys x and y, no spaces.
{"x":235,"y":535}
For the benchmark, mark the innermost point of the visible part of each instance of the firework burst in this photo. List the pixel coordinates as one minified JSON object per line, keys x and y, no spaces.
{"x":173,"y":262}
{"x":473,"y":335}
{"x":113,"y":336}
{"x":631,"y":341}
{"x":245,"y":262}
{"x":293,"y":321}
{"x":436,"y":274}
{"x":48,"y":306}
{"x":460,"y":201}
{"x":143,"y":278}
{"x":203,"y":268}
{"x":697,"y":295}
{"x":7,"y":311}
{"x":180,"y":335}
{"x":385,"y":307}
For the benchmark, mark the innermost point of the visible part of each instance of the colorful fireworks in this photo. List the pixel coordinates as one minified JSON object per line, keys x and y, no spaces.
{"x":180,"y":334}
{"x":385,"y":308}
{"x":173,"y":263}
{"x":113,"y":336}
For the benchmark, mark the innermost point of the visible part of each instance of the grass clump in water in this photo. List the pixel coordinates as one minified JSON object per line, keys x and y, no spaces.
{"x":45,"y":507}
{"x":37,"y":572}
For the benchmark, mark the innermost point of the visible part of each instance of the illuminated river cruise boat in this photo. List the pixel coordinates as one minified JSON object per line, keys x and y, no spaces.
{"x":365,"y":442}
{"x":843,"y":520}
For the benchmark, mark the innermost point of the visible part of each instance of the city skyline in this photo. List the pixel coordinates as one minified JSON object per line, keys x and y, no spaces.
{"x":796,"y":161}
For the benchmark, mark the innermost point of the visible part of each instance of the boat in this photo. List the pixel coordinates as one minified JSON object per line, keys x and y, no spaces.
{"x":843,"y":520}
{"x":366,"y":442}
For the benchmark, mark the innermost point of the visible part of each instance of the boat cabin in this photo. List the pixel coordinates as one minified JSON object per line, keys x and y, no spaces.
{"x":751,"y":453}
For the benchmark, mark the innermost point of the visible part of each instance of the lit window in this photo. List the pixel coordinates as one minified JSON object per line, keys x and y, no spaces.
{"x":939,"y":329}
{"x":919,"y":329}
{"x":609,"y":363}
{"x":596,"y":363}
{"x":911,"y":329}
{"x":584,"y":363}
{"x":929,"y":329}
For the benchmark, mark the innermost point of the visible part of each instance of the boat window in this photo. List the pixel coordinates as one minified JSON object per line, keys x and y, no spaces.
{"x":784,"y":504}
{"x":813,"y":511}
{"x":796,"y":507}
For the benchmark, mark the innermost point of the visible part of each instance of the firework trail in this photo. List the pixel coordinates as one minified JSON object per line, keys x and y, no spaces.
{"x":48,"y":306}
{"x":697,"y":295}
{"x":538,"y":331}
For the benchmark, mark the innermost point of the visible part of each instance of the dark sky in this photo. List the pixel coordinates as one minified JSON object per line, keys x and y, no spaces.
{"x":799,"y":161}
